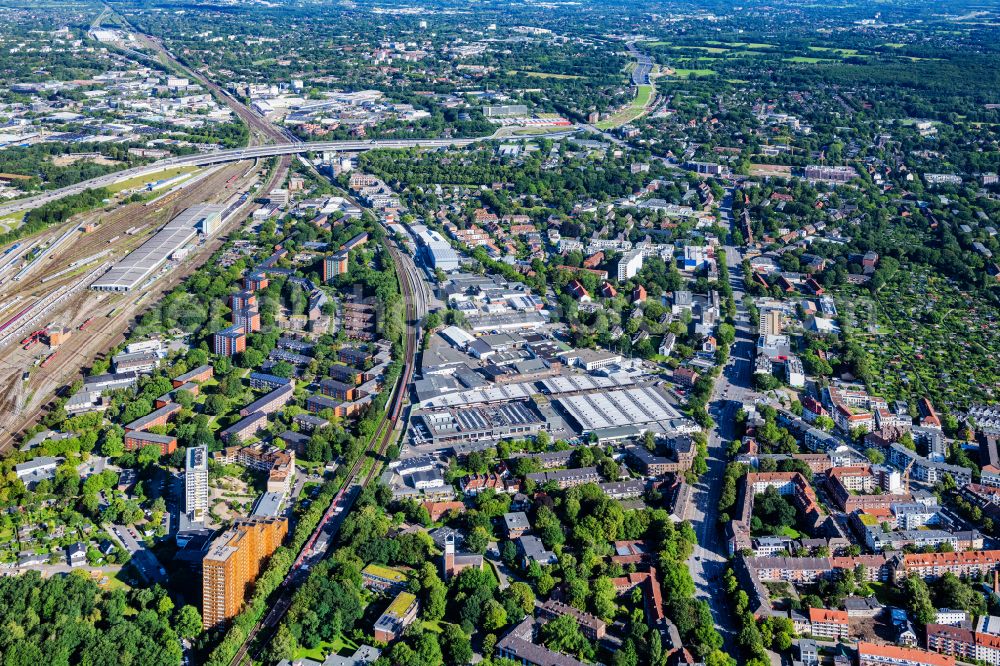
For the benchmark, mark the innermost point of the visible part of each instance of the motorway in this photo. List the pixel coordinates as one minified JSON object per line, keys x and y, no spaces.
{"x":231,"y":155}
{"x":643,"y":66}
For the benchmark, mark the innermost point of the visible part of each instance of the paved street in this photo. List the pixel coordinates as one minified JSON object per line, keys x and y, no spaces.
{"x":145,"y":562}
{"x":708,"y":561}
{"x":110,"y":570}
{"x":643,"y":66}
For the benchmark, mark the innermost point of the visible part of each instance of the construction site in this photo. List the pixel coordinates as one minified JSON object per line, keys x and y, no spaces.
{"x":54,"y":318}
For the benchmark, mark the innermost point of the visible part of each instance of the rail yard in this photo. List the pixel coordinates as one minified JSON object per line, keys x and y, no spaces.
{"x":52,"y":290}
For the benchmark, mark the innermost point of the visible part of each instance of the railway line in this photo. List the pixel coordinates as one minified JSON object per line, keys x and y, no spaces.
{"x":62,"y":262}
{"x":259,"y":128}
{"x":82,"y":347}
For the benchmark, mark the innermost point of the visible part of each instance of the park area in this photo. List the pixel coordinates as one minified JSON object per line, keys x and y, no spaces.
{"x":644,"y":96}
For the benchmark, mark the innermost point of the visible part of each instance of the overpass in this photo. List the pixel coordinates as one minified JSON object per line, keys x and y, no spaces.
{"x":232,"y":155}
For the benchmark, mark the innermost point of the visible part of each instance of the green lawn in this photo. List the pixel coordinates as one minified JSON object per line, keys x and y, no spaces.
{"x":13,"y":220}
{"x":433,"y":626}
{"x":706,"y":49}
{"x":808,"y":60}
{"x":325,"y":648}
{"x":310,"y":464}
{"x":545,"y":75}
{"x":830,"y":49}
{"x":688,"y":73}
{"x":140,"y":181}
{"x":886,"y":593}
{"x":643,"y":97}
{"x":743,"y":45}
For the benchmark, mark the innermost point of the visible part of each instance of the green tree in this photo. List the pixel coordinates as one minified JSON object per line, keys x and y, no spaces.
{"x":282,"y":646}
{"x":494,"y":615}
{"x":918,"y":599}
{"x":603,"y":598}
{"x":522,"y":594}
{"x":874,"y":456}
{"x":113,"y":445}
{"x":187,"y":622}
{"x":563,"y":635}
{"x":455,"y":645}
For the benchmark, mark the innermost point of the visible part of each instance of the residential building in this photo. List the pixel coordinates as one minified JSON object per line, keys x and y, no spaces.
{"x":808,"y":652}
{"x":532,"y":550}
{"x":952,"y":640}
{"x":139,"y":439}
{"x":866,"y":607}
{"x":271,"y":402}
{"x":401,"y":613}
{"x":870,"y":654}
{"x":248,"y":319}
{"x":157,"y":417}
{"x":516,"y":524}
{"x":828,"y":623}
{"x":591,"y":626}
{"x":263,"y":380}
{"x":519,"y":647}
{"x":686,"y":376}
{"x":630,"y":264}
{"x":566,"y":478}
{"x":196,"y":482}
{"x":229,"y":341}
{"x":933,"y":565}
{"x":232,"y":564}
{"x":793,"y":371}
{"x":334,"y":265}
{"x":245,"y":428}
{"x":278,"y":463}
{"x":951,"y":617}
{"x":243,"y":300}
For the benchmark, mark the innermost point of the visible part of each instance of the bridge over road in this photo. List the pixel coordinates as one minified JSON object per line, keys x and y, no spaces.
{"x":232,"y":155}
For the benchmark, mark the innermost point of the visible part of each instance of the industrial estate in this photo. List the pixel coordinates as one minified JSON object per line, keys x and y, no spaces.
{"x":651,"y":333}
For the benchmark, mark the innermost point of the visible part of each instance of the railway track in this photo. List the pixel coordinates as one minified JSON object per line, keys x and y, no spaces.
{"x":380,"y":443}
{"x":113,"y":332}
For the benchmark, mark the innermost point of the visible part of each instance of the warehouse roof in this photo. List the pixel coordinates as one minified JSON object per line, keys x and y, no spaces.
{"x":138,"y":264}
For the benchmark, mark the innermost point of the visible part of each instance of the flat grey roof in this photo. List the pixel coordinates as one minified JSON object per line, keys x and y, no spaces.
{"x":610,"y":409}
{"x":138,"y":264}
{"x":269,"y":504}
{"x":197,"y":458}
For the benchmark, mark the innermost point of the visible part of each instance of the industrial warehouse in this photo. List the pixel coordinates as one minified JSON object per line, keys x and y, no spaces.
{"x":127,"y":274}
{"x":642,"y":406}
{"x":436,"y":249}
{"x":518,"y":418}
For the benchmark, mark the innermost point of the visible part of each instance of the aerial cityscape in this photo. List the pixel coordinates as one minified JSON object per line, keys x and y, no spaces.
{"x":437,"y":332}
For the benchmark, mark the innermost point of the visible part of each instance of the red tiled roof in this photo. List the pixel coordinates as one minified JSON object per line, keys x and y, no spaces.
{"x":913,"y":655}
{"x":829,"y":616}
{"x":946,"y":559}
